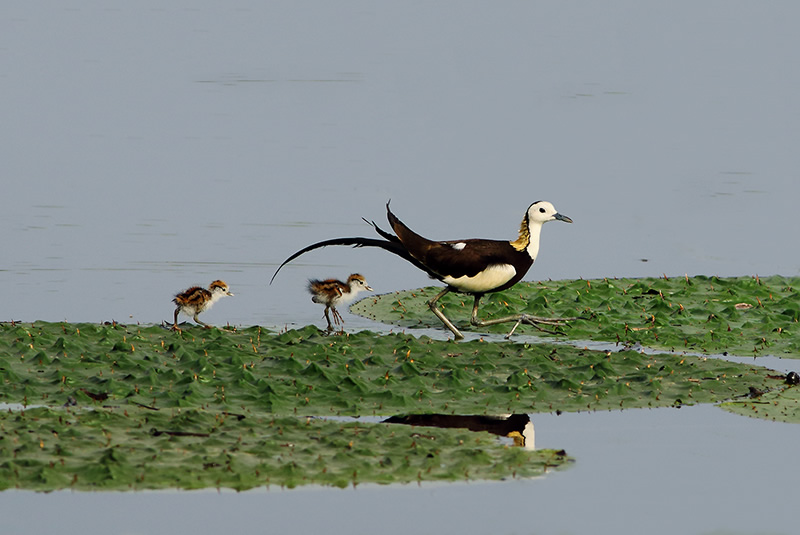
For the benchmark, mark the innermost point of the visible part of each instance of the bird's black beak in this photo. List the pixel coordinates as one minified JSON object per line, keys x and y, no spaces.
{"x":563,"y":218}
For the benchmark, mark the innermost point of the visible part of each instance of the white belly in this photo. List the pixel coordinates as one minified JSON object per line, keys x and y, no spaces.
{"x":489,"y":279}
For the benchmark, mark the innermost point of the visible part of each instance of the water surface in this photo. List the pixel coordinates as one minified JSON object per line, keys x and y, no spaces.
{"x":147,"y":148}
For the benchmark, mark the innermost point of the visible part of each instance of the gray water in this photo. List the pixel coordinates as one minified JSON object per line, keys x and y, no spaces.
{"x":147,"y":147}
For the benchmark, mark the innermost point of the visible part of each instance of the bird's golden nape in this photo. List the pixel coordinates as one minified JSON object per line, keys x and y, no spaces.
{"x":524,"y":238}
{"x":472,"y":266}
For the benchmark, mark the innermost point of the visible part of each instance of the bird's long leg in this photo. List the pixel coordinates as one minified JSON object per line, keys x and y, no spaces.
{"x":330,"y":326}
{"x":206,"y":325}
{"x":527,"y":319}
{"x":441,"y":316}
{"x":175,"y":321}
{"x":337,"y":318}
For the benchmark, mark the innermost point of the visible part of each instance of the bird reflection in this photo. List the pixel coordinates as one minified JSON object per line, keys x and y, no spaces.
{"x":518,"y":427}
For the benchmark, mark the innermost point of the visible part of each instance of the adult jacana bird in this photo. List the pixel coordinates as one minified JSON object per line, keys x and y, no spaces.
{"x":473,"y":266}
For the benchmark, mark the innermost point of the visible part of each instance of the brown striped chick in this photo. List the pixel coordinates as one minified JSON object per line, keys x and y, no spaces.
{"x":195,"y":300}
{"x":332,"y":293}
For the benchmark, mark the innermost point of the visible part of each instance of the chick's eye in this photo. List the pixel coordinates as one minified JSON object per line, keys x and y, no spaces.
{"x":542,"y":210}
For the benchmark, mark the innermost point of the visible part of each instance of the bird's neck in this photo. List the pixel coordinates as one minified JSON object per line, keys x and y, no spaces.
{"x":353,"y":288}
{"x":528,"y":239}
{"x":348,"y":294}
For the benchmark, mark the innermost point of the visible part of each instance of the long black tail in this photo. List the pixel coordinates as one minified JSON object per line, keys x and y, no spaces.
{"x":355,"y":242}
{"x":390,"y":243}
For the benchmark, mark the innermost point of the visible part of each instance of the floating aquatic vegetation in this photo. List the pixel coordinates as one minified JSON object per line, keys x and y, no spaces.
{"x":132,"y":407}
{"x":779,"y":404}
{"x":306,"y":373}
{"x":135,"y":448}
{"x":742,"y":316}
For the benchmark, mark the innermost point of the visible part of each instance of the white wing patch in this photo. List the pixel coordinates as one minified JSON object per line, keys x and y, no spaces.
{"x":458,"y":246}
{"x":488,"y":279}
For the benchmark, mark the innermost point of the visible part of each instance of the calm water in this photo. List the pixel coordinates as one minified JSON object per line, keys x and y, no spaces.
{"x":146,"y":148}
{"x":638,"y":471}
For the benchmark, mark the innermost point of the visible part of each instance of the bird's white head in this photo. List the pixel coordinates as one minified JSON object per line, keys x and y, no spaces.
{"x":219,"y":289}
{"x":357,"y":283}
{"x":542,"y":211}
{"x":537,"y":215}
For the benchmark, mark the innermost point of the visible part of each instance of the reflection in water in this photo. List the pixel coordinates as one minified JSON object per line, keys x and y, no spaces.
{"x":515,"y":426}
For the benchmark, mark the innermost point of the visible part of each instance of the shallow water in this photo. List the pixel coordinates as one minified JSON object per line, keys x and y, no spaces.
{"x":659,"y":471}
{"x":148,"y":148}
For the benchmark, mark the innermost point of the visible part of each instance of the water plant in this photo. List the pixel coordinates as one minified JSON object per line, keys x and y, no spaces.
{"x":742,"y":315}
{"x":115,"y":406}
{"x":128,"y":407}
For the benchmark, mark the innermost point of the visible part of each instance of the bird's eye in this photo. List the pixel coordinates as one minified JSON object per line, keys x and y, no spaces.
{"x":542,"y":210}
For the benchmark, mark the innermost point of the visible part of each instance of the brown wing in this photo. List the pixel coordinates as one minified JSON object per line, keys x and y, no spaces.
{"x":331,"y":287}
{"x":191,"y":296}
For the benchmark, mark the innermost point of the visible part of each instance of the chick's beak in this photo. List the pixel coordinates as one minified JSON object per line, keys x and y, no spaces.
{"x":563,"y":218}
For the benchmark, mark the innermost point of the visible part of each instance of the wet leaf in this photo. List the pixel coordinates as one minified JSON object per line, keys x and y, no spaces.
{"x":743,"y":315}
{"x":202,"y":409}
